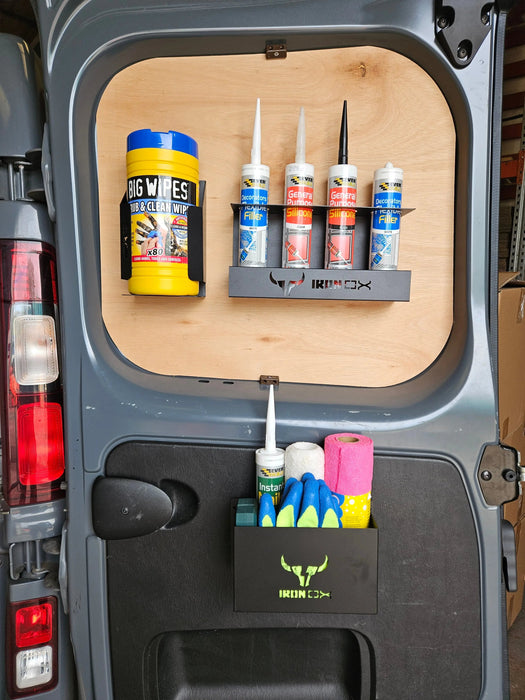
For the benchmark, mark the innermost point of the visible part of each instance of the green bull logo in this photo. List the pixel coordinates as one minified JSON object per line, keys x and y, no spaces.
{"x":304,"y":580}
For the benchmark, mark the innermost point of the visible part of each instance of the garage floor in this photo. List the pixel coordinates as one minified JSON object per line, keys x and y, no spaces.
{"x":517,"y":658}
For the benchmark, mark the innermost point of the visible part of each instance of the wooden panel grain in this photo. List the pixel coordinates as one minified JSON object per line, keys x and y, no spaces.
{"x":396,"y":112}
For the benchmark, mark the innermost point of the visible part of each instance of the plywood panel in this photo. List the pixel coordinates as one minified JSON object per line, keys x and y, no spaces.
{"x":396,"y":113}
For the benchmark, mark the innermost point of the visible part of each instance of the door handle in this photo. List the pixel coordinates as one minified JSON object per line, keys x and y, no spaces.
{"x":123,"y":508}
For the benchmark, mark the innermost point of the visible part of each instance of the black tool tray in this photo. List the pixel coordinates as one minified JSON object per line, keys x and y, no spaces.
{"x":321,"y":570}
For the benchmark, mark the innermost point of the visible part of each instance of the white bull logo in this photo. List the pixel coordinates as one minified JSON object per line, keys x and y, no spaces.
{"x":297,"y":569}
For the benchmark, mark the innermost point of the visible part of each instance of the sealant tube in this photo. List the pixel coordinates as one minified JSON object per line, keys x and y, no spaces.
{"x":384,"y":234}
{"x":269,"y":460}
{"x":342,"y":197}
{"x":253,"y":216}
{"x":299,"y":199}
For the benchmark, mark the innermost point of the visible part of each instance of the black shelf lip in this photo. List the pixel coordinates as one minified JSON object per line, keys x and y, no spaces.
{"x":314,"y":283}
{"x":321,"y":208}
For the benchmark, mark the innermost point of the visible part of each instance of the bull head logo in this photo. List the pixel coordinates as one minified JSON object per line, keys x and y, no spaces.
{"x":304,"y":579}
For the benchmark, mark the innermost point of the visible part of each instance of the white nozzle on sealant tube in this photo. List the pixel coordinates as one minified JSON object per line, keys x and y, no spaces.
{"x":256,"y":168}
{"x":389,"y":172}
{"x":256,"y":138}
{"x":269,"y":460}
{"x":299,"y":200}
{"x":300,"y":145}
{"x":300,"y":165}
{"x":253,"y":215}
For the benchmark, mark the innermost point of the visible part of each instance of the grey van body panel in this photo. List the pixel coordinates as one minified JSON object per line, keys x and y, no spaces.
{"x":449,"y":412}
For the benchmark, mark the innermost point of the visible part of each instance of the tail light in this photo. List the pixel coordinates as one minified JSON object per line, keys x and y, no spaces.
{"x":32,"y":642}
{"x":31,"y":394}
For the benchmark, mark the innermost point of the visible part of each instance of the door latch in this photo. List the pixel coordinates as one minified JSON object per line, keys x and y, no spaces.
{"x":498,"y":474}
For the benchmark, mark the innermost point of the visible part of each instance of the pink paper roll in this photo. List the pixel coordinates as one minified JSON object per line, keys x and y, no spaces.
{"x":349,"y":463}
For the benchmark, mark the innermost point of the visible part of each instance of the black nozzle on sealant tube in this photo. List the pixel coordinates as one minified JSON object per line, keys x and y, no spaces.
{"x":269,"y":460}
{"x":343,"y":139}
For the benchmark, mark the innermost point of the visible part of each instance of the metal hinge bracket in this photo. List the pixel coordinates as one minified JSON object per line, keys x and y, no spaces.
{"x":267,"y":379}
{"x":276,"y":49}
{"x":461,"y":27}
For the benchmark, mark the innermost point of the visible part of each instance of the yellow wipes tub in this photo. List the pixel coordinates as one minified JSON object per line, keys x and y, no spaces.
{"x":163,"y":181}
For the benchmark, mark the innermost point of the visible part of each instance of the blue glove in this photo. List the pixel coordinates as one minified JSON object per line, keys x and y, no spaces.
{"x":309,"y":515}
{"x":287,"y":486}
{"x":266,"y":511}
{"x":290,"y":503}
{"x":331,"y":511}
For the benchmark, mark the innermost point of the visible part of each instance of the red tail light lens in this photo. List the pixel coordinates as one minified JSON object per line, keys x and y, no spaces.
{"x":33,"y":625}
{"x":31,"y":394}
{"x":32,"y":643}
{"x":40,"y":443}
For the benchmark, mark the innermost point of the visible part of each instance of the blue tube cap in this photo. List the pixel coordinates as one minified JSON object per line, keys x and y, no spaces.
{"x":170,"y":140}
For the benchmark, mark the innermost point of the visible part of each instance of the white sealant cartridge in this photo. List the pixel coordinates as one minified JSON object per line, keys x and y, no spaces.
{"x":269,"y":460}
{"x":298,"y":199}
{"x":253,"y":215}
{"x":384,"y":233}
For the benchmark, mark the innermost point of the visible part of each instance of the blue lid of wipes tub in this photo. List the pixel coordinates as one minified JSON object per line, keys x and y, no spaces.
{"x":171,"y":140}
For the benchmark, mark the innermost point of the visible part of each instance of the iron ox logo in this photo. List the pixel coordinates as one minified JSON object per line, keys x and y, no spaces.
{"x":304,"y":592}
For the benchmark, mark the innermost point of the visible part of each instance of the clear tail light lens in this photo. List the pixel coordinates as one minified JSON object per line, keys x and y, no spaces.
{"x":32,"y":646}
{"x":31,"y":394}
{"x":34,"y":668}
{"x":35,"y":350}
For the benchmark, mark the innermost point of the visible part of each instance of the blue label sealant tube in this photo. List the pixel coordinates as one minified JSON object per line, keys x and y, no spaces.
{"x":253,"y":216}
{"x":299,"y":199}
{"x":342,"y":196}
{"x":269,"y":460}
{"x":384,"y":234}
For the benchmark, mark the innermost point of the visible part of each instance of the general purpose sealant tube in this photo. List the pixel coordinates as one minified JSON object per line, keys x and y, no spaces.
{"x":340,"y":220}
{"x":297,"y":228}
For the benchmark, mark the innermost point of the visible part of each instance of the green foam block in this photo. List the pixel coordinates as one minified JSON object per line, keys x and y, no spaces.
{"x":246,"y":512}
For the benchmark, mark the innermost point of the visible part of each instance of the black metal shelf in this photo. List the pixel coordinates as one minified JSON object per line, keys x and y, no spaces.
{"x":275,"y":282}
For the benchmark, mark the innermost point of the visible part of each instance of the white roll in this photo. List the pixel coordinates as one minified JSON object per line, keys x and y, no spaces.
{"x":302,"y":457}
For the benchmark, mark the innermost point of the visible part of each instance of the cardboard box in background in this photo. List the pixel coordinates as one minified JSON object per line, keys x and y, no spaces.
{"x":511,"y":381}
{"x":513,"y":510}
{"x":511,"y":364}
{"x":511,"y":372}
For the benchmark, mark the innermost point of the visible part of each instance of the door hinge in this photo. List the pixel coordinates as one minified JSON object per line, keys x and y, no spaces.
{"x":461,"y":27}
{"x":33,"y":559}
